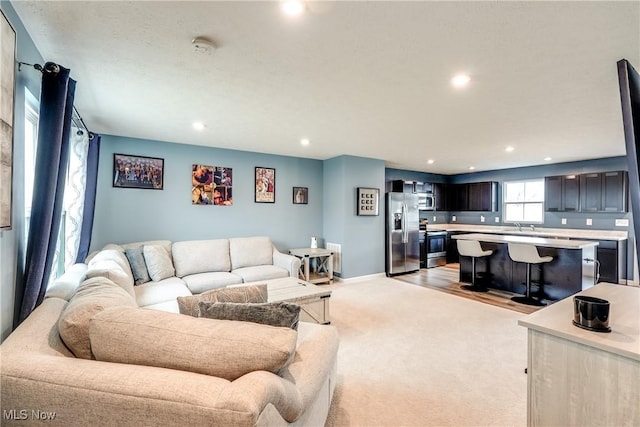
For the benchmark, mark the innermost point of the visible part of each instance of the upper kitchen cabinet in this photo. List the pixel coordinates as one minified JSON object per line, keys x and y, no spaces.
{"x":440,"y":196}
{"x":477,"y":196}
{"x":483,"y":196}
{"x":562,"y":193}
{"x":604,"y":192}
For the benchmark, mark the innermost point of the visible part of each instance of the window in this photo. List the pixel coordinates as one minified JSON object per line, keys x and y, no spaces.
{"x":31,"y":115}
{"x":524,"y":201}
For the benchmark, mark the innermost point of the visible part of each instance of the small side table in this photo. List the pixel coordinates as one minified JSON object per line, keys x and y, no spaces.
{"x":323,"y":268}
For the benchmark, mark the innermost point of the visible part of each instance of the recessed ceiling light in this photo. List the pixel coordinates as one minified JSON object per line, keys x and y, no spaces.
{"x":509,"y":149}
{"x":305,"y":142}
{"x":430,"y":161}
{"x":292,"y":7}
{"x":198,"y":126}
{"x":471,"y":168}
{"x":546,"y":159}
{"x":460,"y":80}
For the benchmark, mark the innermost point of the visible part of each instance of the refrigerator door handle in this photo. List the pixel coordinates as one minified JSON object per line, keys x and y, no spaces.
{"x":405,"y":232}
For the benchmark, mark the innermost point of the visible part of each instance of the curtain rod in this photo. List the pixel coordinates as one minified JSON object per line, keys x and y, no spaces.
{"x":51,"y":67}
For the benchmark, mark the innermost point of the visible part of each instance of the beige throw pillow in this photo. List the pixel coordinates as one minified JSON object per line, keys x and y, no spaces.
{"x":92,"y":296}
{"x":168,"y":340}
{"x":282,"y":314}
{"x":159,"y":264}
{"x":248,"y":294}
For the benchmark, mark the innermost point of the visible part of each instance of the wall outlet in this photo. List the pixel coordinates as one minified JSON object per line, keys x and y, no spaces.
{"x":497,"y":219}
{"x":434,"y":219}
{"x":453,"y":218}
{"x":481,"y":218}
{"x":564,"y":221}
{"x":589,"y":221}
{"x":622,"y":222}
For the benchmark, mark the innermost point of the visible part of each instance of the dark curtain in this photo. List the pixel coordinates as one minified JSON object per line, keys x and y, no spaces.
{"x":52,"y":156}
{"x":93,"y":157}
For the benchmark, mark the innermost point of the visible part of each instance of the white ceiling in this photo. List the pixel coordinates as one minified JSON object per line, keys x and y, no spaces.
{"x":360,"y":78}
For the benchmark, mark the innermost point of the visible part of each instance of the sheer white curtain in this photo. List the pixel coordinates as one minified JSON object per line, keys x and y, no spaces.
{"x":74,"y":194}
{"x":73,"y":204}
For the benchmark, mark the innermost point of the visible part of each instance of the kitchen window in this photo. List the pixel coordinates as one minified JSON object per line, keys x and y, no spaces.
{"x":524,"y":201}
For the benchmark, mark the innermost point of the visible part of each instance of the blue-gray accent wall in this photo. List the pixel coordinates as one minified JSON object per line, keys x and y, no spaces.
{"x":129,"y":215}
{"x":361,"y":237}
{"x":12,"y":247}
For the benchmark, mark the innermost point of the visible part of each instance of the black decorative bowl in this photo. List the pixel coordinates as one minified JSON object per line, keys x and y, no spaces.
{"x":591,"y":313}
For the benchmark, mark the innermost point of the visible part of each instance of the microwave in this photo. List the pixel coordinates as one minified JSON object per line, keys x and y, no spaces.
{"x":426,"y":202}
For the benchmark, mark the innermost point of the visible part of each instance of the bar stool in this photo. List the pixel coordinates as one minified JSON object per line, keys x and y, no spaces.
{"x":472,"y":248}
{"x":528,"y":254}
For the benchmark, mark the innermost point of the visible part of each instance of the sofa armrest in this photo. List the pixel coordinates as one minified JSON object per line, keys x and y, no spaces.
{"x":65,"y":286}
{"x":288,"y":262}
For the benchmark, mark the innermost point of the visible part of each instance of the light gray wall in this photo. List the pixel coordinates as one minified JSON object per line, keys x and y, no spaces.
{"x":128,"y":215}
{"x":361,"y":237}
{"x":11,"y":247}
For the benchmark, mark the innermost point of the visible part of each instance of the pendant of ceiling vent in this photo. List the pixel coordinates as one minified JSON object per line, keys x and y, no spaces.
{"x":203,"y":45}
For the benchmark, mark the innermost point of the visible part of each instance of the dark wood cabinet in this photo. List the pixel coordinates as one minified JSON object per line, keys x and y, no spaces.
{"x":483,"y":196}
{"x":614,"y":191}
{"x":612,"y":260}
{"x":477,"y":196}
{"x":440,"y":195}
{"x":457,"y":196}
{"x":562,"y":193}
{"x":604,"y":192}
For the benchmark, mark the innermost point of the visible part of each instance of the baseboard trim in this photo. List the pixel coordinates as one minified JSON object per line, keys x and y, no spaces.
{"x":361,"y":278}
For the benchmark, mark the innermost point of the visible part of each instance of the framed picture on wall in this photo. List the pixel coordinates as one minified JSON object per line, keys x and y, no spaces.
{"x":367,"y":201}
{"x":300,"y":195}
{"x":7,"y":86}
{"x":265,"y":179}
{"x":130,"y":171}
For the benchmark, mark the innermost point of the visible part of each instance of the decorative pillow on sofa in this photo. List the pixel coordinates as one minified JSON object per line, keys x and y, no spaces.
{"x":159,"y":264}
{"x":254,"y":293}
{"x":272,"y":313}
{"x":92,"y":296}
{"x":207,"y":346}
{"x":138,"y":265}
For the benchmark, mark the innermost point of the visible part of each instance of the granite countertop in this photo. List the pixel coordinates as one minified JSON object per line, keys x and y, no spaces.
{"x":624,"y":338}
{"x":567,"y":233}
{"x":538,"y":241}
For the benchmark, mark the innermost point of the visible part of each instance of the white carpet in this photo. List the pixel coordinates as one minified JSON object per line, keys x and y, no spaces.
{"x":411,"y":356}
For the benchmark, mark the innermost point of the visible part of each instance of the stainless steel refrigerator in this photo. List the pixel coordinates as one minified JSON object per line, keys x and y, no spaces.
{"x":402,"y":233}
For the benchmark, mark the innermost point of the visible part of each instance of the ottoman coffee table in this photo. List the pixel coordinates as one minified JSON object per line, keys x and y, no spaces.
{"x":313,"y":300}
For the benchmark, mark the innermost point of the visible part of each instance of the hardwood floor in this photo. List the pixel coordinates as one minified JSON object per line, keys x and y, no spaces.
{"x":445,"y":279}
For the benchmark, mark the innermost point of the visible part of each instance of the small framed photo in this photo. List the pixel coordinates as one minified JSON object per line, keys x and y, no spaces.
{"x":367,"y":201}
{"x":131,"y":171}
{"x":300,"y":195}
{"x":265,"y":191}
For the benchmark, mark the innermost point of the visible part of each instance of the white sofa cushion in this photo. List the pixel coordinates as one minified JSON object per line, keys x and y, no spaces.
{"x":112,"y":271}
{"x":65,"y":286}
{"x":260,"y":272}
{"x":152,"y":293}
{"x":158,"y":262}
{"x":201,"y":256}
{"x":250,"y":251}
{"x":112,"y":255}
{"x":202,"y":282}
{"x":222,"y":348}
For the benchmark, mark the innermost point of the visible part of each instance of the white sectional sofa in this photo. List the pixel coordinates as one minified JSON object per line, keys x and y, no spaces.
{"x":41,"y":372}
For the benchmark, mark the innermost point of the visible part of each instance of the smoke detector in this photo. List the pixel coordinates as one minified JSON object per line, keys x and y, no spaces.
{"x":203,"y":45}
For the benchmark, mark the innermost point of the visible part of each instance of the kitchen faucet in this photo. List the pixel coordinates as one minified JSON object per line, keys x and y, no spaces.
{"x":517,"y":224}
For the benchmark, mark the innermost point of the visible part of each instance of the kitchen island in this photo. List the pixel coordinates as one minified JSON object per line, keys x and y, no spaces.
{"x":573,"y":267}
{"x":577,"y":377}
